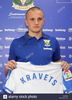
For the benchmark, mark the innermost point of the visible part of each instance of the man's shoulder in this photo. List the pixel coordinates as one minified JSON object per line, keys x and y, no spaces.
{"x":18,"y":40}
{"x":49,"y":37}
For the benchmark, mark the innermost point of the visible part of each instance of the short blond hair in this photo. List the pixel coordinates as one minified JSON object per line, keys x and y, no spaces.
{"x":33,"y":9}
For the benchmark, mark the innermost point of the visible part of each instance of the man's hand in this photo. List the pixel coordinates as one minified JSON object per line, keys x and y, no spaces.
{"x":65,"y":65}
{"x":10,"y":66}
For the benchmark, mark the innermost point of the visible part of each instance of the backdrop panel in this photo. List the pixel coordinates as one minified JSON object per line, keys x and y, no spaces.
{"x":58,"y":23}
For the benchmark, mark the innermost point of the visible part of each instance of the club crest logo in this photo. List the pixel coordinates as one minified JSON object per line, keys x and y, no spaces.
{"x":67,"y":75}
{"x":22,"y":4}
{"x":47,"y":43}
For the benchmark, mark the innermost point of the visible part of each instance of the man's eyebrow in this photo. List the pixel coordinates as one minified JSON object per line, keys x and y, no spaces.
{"x":40,"y":17}
{"x":37,"y":17}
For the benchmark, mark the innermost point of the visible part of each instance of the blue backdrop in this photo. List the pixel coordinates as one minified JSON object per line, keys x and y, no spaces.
{"x":58,"y":23}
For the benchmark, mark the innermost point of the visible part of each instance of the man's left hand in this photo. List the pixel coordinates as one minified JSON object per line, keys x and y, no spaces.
{"x":65,"y":65}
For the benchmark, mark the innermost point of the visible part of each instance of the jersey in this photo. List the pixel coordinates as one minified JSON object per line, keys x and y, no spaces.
{"x":40,"y":51}
{"x":28,"y":78}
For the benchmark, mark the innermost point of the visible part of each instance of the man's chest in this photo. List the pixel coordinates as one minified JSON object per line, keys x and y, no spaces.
{"x":33,"y":48}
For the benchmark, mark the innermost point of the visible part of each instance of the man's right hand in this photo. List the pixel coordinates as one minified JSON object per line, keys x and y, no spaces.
{"x":10,"y":66}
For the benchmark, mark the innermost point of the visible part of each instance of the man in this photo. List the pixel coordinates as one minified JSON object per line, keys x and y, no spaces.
{"x":34,"y":46}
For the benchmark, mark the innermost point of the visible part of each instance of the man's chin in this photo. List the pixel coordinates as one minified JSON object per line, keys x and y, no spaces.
{"x":36,"y":31}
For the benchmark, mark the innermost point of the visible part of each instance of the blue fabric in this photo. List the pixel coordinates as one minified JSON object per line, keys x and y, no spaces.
{"x":3,"y":89}
{"x":6,"y":90}
{"x":28,"y":48}
{"x":68,"y":85}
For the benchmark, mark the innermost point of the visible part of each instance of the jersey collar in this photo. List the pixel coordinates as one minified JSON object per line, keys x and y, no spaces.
{"x":29,"y":37}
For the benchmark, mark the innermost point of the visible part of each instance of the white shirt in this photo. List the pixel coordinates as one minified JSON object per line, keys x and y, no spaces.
{"x":28,"y":78}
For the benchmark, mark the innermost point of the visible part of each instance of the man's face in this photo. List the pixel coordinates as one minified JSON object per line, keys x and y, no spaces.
{"x":35,"y":21}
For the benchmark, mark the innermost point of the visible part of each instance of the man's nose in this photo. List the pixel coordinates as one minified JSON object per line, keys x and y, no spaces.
{"x":36,"y":21}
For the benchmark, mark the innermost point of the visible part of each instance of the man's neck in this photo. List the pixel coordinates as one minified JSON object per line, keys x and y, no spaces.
{"x":36,"y":35}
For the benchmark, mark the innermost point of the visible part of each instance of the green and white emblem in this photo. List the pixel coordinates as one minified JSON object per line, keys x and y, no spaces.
{"x":47,"y":43}
{"x":22,"y":4}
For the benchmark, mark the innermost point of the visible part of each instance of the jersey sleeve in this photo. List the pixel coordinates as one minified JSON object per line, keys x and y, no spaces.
{"x":10,"y":83}
{"x":12,"y":55}
{"x":56,"y":55}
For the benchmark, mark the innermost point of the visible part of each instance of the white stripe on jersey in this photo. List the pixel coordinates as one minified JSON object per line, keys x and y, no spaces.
{"x":28,"y":78}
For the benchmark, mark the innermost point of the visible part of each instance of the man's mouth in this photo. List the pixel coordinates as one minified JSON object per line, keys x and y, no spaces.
{"x":36,"y":26}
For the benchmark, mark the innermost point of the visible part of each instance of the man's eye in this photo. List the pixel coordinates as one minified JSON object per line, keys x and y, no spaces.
{"x":32,"y":19}
{"x":39,"y":19}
